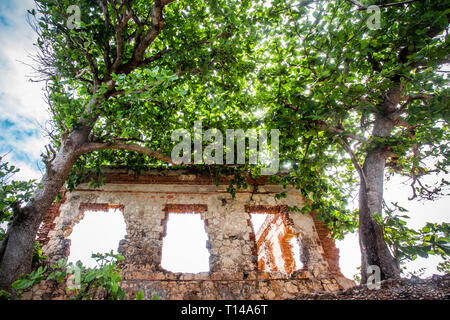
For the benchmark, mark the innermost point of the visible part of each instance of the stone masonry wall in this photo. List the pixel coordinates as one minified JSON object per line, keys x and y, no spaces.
{"x":147,"y":199}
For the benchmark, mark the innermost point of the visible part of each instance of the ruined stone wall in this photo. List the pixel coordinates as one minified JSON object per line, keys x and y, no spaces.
{"x":147,"y":199}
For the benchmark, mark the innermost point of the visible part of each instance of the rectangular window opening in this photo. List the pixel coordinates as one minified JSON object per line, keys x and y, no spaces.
{"x":184,"y":246}
{"x":98,"y":231}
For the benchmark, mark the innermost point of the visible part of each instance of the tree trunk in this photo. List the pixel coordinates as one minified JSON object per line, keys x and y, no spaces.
{"x":374,"y":250}
{"x":17,"y":248}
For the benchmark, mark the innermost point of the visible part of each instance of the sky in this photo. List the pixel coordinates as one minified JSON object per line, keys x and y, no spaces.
{"x":22,"y":107}
{"x":23,"y":114}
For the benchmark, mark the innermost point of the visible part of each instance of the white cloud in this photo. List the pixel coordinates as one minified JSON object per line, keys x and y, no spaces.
{"x":21,"y":101}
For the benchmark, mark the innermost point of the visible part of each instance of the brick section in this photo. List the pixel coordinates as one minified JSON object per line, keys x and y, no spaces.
{"x":183,"y":178}
{"x":330,"y":252}
{"x":265,"y":209}
{"x":185,"y":208}
{"x":271,"y":258}
{"x":261,"y":265}
{"x":286,"y":250}
{"x":100,"y":207}
{"x":48,"y":222}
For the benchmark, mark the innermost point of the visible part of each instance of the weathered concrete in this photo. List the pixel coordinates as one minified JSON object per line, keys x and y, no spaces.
{"x":235,"y":273}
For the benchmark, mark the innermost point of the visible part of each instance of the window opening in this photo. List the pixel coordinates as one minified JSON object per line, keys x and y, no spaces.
{"x":184,"y":246}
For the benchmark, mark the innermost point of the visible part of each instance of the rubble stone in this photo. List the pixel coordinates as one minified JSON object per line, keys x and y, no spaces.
{"x":436,"y":287}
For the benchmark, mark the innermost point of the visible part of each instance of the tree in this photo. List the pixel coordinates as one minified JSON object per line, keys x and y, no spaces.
{"x":351,"y":97}
{"x":117,"y":78}
{"x":127,"y":73}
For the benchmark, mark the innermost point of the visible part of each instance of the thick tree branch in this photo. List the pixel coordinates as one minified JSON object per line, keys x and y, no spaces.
{"x":157,"y":22}
{"x":104,"y":5}
{"x":94,"y":146}
{"x":409,"y":99}
{"x":153,"y":58}
{"x":120,"y":40}
{"x":355,"y":162}
{"x":93,"y":68}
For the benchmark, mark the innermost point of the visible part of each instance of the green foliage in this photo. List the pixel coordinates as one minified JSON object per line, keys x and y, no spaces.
{"x":140,"y":296}
{"x":407,"y":244}
{"x":12,"y":194}
{"x":155,"y":296}
{"x":105,"y":276}
{"x":60,"y":270}
{"x":209,"y":46}
{"x":26,"y":281}
{"x":444,"y":266}
{"x":322,"y":78}
{"x":4,"y":295}
{"x":38,"y":258}
{"x":357,"y":276}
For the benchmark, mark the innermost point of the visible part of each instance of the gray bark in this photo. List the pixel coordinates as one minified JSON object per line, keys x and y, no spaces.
{"x":18,"y":250}
{"x":374,"y":250}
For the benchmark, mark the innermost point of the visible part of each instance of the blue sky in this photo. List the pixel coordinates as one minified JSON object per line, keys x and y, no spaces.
{"x":22,"y":108}
{"x":23,"y":113}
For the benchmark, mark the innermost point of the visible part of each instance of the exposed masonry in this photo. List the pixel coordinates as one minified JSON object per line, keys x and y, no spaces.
{"x":273,"y":244}
{"x":235,"y":272}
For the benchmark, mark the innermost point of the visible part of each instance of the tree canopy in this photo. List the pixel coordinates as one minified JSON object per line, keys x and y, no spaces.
{"x":355,"y":100}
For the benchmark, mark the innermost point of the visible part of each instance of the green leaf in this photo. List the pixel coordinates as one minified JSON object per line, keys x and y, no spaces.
{"x":140,"y":295}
